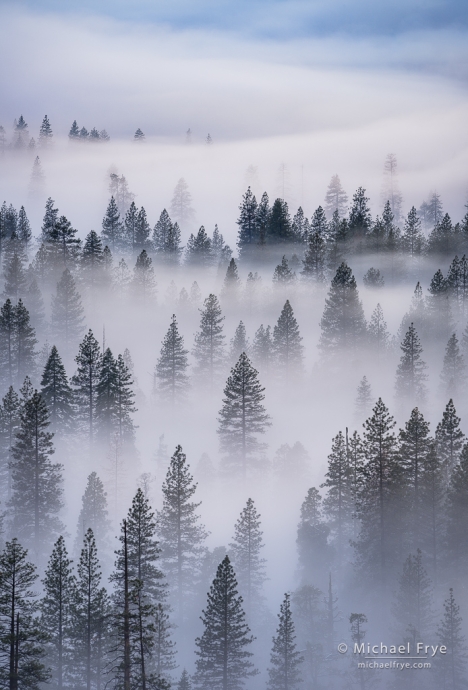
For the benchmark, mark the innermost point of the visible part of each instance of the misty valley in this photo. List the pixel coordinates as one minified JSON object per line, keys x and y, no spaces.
{"x":231,"y":456}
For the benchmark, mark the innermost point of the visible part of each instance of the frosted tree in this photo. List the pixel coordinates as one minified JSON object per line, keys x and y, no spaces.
{"x":242,"y":417}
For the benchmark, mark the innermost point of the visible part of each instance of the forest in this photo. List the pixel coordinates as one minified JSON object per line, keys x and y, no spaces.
{"x":229,"y":466}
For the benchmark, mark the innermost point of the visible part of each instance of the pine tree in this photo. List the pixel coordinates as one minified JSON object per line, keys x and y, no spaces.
{"x":223,"y":658}
{"x":139,"y":136}
{"x":378,"y":541}
{"x":456,"y":542}
{"x":209,"y":350}
{"x":246,"y":557}
{"x":287,"y":347}
{"x":439,"y":313}
{"x":247,"y":222}
{"x":410,"y":376}
{"x":85,"y":381}
{"x":142,"y":230}
{"x":198,"y":251}
{"x":105,"y":396}
{"x":56,"y":392}
{"x":21,"y":640}
{"x":364,"y":399}
{"x":90,"y":614}
{"x":262,"y":348}
{"x":343,"y":323}
{"x":112,"y":226}
{"x":37,"y":179}
{"x":242,"y":416}
{"x":239,"y":343}
{"x":441,"y":240}
{"x":285,"y":662}
{"x":171,"y":367}
{"x":300,"y":227}
{"x":181,"y":533}
{"x":412,"y":608}
{"x":413,"y":240}
{"x":312,"y":540}
{"x":231,"y":283}
{"x":25,"y":342}
{"x":67,"y":311}
{"x":451,"y":667}
{"x":124,"y":400}
{"x":36,"y":481}
{"x":291,"y":464}
{"x":378,"y":335}
{"x":8,"y":343}
{"x":164,"y":647}
{"x":94,"y":515}
{"x":9,"y":424}
{"x":282,"y":275}
{"x":314,"y":259}
{"x":433,"y":494}
{"x":56,"y":615}
{"x":453,"y":375}
{"x":65,"y":245}
{"x":122,"y":278}
{"x":184,"y":682}
{"x":45,"y":132}
{"x":91,"y":261}
{"x":373,"y":279}
{"x":144,"y":284}
{"x":16,"y":281}
{"x":449,"y":439}
{"x":336,"y":200}
{"x":359,"y":215}
{"x":181,"y":204}
{"x":262,"y":219}
{"x":279,"y":223}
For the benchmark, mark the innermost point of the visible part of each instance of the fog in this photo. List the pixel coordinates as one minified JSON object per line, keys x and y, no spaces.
{"x":284,"y":117}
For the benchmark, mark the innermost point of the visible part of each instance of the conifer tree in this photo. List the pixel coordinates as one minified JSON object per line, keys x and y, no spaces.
{"x":161,"y":232}
{"x":198,"y":250}
{"x":209,"y":349}
{"x":45,"y":132}
{"x":9,"y":424}
{"x":36,"y":481}
{"x":410,"y":377}
{"x":377,"y":501}
{"x":378,"y":335}
{"x":181,"y":534}
{"x":56,"y":392}
{"x":451,"y":667}
{"x":262,"y":219}
{"x":453,"y":374}
{"x":164,"y":647}
{"x":279,"y":223}
{"x":242,"y":416}
{"x":91,"y":261}
{"x":439,"y":313}
{"x":231,"y":283}
{"x":49,"y":220}
{"x":130,"y":226}
{"x":412,"y":239}
{"x":300,"y":226}
{"x":287,"y":347}
{"x":414,"y":446}
{"x":56,"y":615}
{"x":89,"y":360}
{"x":359,"y":215}
{"x":35,"y":304}
{"x":112,"y":226}
{"x":25,"y":342}
{"x":262,"y":348}
{"x":246,"y":557}
{"x":239,"y":343}
{"x":181,"y":204}
{"x":24,"y":228}
{"x":16,"y":282}
{"x":282,"y":274}
{"x":312,"y":540}
{"x":364,"y":399}
{"x":339,"y":503}
{"x":184,"y":682}
{"x":94,"y":515}
{"x":144,"y":283}
{"x":456,"y":512}
{"x":122,"y":278}
{"x":449,"y":439}
{"x":248,"y":232}
{"x":67,"y":316}
{"x":142,"y":231}
{"x":343,"y":323}
{"x":314,"y":260}
{"x":433,"y":496}
{"x":412,"y":608}
{"x":63,"y":238}
{"x":8,"y":343}
{"x":90,"y":614}
{"x":124,"y":399}
{"x":224,"y":661}
{"x":21,"y":640}
{"x":336,"y":200}
{"x":171,"y":367}
{"x":285,"y":662}
{"x":105,"y":396}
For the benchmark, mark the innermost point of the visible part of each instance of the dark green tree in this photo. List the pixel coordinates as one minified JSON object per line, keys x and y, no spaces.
{"x":142,"y":231}
{"x":242,"y":417}
{"x":223,"y":660}
{"x":439,"y":314}
{"x":181,"y":534}
{"x":314,"y":260}
{"x":57,"y":615}
{"x":92,"y":259}
{"x":247,"y":236}
{"x":279,"y":223}
{"x":262,"y":219}
{"x":36,"y":481}
{"x":285,"y":662}
{"x":57,"y":393}
{"x":130,"y":226}
{"x":360,"y":219}
{"x":105,"y":396}
{"x":245,"y":551}
{"x":66,"y":244}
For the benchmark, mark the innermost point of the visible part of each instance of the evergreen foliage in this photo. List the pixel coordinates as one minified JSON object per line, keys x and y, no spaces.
{"x":285,"y":663}
{"x":57,"y":393}
{"x":410,"y":380}
{"x":208,"y":350}
{"x":171,"y":367}
{"x":67,"y":316}
{"x":287,"y":346}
